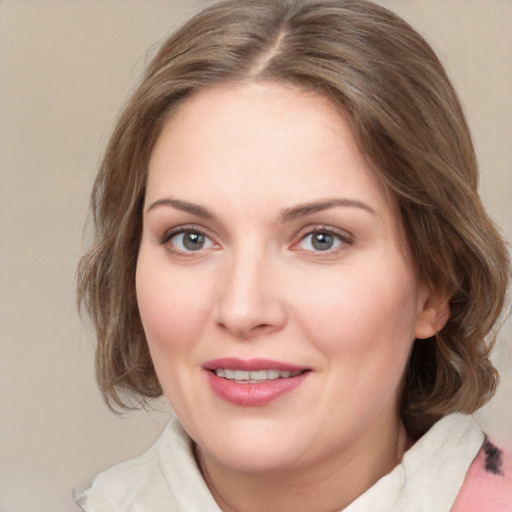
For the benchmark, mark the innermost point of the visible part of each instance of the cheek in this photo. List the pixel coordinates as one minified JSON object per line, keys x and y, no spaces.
{"x":365,"y":332}
{"x":368,"y":314}
{"x":171,"y":305}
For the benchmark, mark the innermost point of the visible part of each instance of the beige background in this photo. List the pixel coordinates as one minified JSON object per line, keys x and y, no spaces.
{"x":65,"y":68}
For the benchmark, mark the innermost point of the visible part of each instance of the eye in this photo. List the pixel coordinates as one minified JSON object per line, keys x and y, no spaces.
{"x":319,"y":241}
{"x":323,"y":240}
{"x":187,"y":240}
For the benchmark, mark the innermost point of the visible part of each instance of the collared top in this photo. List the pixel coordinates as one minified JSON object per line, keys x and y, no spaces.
{"x":453,"y":455}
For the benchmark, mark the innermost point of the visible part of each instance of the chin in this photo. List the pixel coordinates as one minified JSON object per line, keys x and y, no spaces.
{"x":251,"y":448}
{"x":247,"y":459}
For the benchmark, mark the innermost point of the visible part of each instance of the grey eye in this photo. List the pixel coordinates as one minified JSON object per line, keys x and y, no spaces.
{"x":321,"y":241}
{"x":193,"y":241}
{"x":190,"y":241}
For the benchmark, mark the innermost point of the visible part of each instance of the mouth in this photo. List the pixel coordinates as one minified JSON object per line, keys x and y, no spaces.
{"x":253,"y":377}
{"x":254,"y":382}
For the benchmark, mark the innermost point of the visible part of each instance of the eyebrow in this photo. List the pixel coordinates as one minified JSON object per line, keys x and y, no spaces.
{"x":287,"y":215}
{"x":185,"y":206}
{"x":305,"y":209}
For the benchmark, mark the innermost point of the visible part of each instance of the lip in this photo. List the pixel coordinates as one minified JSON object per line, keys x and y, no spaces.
{"x":251,"y":365}
{"x":253,"y":394}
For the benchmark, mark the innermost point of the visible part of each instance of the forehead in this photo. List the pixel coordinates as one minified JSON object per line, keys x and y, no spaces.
{"x":256,"y":140}
{"x":251,"y":114}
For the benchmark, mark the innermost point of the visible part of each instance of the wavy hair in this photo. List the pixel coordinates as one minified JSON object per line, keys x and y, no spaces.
{"x":407,"y":119}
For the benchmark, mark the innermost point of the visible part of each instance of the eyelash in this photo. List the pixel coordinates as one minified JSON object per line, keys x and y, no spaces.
{"x":345,"y":239}
{"x":169,"y":235}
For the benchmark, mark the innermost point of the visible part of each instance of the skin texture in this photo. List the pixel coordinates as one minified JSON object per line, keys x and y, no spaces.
{"x":259,"y":287}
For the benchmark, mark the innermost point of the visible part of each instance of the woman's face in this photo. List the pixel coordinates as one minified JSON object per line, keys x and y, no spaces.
{"x":276,"y":298}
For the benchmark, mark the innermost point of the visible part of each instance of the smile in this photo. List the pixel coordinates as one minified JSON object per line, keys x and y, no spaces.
{"x":251,"y":377}
{"x":254,"y":382}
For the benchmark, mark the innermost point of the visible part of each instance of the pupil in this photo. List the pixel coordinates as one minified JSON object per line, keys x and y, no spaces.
{"x":193,"y":241}
{"x":322,"y":241}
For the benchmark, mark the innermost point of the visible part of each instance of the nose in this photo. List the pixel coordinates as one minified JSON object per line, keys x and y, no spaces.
{"x":250,"y":302}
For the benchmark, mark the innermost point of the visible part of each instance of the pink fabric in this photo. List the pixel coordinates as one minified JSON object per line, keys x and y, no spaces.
{"x":488,"y":483}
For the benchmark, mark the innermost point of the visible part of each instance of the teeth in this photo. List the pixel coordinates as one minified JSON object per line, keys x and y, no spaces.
{"x":241,"y":375}
{"x":254,"y":376}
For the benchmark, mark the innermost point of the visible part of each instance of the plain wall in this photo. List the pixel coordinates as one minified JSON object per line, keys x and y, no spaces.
{"x":65,"y":69}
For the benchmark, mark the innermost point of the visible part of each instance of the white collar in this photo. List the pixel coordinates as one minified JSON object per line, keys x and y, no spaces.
{"x":166,"y":478}
{"x":431,"y":472}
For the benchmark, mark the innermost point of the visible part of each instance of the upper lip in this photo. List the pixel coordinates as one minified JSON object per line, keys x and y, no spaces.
{"x":234,"y":363}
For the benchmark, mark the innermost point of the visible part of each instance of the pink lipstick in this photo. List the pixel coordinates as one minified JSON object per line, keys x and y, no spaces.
{"x":254,"y":382}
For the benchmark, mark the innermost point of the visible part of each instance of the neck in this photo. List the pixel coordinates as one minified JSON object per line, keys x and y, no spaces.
{"x":326,"y":486}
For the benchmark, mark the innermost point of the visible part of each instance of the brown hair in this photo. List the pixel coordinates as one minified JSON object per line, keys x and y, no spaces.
{"x":408,"y":121}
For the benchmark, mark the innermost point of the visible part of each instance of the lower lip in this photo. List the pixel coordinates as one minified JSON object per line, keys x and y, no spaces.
{"x":253,"y":394}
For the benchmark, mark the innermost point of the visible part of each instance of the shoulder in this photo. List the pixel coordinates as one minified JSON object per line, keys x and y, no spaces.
{"x":166,"y":478}
{"x":124,"y":485}
{"x":119,"y":487}
{"x":488,"y":483}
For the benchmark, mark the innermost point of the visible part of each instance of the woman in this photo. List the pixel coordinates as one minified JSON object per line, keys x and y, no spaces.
{"x":290,"y":246}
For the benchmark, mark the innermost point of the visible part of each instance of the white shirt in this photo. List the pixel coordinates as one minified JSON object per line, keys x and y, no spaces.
{"x":166,"y":478}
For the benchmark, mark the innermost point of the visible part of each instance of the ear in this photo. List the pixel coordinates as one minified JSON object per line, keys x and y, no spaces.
{"x":433,"y":315}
